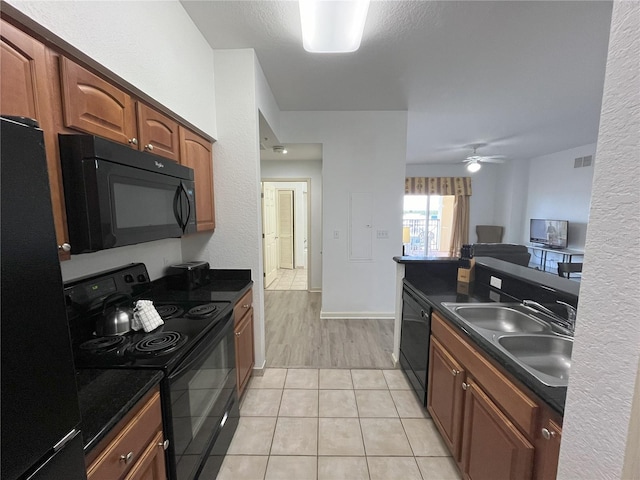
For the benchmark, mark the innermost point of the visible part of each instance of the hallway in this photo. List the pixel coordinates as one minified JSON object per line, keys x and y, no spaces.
{"x":289,"y":279}
{"x":297,"y":337}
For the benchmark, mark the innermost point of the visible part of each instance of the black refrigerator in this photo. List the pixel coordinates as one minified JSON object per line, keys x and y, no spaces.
{"x":39,"y":410}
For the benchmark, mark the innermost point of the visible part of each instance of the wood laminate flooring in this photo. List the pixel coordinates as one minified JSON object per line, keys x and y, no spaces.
{"x":297,"y":337}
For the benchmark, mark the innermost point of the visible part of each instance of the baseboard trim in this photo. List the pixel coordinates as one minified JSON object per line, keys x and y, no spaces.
{"x":259,"y":370}
{"x":394,"y":360}
{"x":358,"y":315}
{"x":315,"y":290}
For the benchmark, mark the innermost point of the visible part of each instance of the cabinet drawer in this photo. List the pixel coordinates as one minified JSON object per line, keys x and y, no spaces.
{"x":243,"y":306}
{"x":513,"y":401}
{"x":115,"y":460}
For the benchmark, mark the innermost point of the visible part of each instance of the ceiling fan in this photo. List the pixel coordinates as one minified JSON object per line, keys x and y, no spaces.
{"x":473,"y":161}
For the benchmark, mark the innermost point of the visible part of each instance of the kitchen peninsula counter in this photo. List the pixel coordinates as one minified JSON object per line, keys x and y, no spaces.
{"x":439,"y":284}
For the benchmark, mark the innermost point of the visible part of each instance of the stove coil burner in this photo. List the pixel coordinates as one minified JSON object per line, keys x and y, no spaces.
{"x":102,"y":344}
{"x":159,"y":343}
{"x":207,"y":310}
{"x":169,"y":311}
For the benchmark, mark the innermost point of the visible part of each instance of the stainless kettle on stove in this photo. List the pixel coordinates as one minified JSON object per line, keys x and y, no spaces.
{"x":115,"y":320}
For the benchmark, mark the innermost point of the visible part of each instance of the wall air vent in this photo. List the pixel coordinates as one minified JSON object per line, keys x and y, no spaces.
{"x":583,"y":161}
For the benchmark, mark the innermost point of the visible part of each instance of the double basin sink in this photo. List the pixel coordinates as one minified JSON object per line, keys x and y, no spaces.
{"x":525,"y":335}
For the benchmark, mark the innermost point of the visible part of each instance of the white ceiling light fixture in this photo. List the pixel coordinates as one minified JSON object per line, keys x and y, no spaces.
{"x":473,"y":166}
{"x":280,"y":149}
{"x":332,"y":26}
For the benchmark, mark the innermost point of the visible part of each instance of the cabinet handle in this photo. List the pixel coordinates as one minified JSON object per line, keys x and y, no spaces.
{"x":148,"y":147}
{"x":548,"y":434}
{"x":126,"y":458}
{"x":455,"y":372}
{"x":65,"y":247}
{"x":246,"y":305}
{"x":237,"y":334}
{"x":133,"y":141}
{"x":465,"y":385}
{"x":422,"y":313}
{"x":164,"y":444}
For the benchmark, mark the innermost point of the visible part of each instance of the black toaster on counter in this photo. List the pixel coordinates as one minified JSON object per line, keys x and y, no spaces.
{"x":188,"y":275}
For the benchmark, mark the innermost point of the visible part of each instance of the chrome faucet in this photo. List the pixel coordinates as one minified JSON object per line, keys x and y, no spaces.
{"x":568,"y":323}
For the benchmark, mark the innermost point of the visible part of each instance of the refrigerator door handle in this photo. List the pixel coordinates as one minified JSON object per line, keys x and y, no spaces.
{"x":68,"y":437}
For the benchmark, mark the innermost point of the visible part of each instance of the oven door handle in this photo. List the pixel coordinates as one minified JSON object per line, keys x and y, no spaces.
{"x":204,"y":349}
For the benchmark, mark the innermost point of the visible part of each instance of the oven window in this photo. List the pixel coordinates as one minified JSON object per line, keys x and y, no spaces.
{"x":198,"y":398}
{"x":143,"y":206}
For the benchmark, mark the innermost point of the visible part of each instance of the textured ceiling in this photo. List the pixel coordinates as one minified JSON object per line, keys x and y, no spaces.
{"x":524,"y":77}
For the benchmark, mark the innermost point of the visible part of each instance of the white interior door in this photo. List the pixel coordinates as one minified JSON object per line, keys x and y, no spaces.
{"x":285,"y":228}
{"x":269,"y":233}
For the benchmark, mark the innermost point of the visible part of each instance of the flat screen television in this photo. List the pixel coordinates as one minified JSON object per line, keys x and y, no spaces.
{"x":549,"y":233}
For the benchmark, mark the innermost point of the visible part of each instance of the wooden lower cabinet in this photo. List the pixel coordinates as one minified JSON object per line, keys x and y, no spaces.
{"x":445,"y":400}
{"x":495,"y":428}
{"x":493,"y":448}
{"x":137,"y":451}
{"x":243,"y":330}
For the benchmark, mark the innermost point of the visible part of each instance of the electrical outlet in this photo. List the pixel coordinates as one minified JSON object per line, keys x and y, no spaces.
{"x":495,"y":282}
{"x":382,"y":234}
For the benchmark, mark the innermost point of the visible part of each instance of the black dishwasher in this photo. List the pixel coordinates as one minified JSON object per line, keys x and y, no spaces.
{"x":414,"y":341}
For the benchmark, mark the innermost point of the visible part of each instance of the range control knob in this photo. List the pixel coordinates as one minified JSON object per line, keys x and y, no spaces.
{"x":142,"y":278}
{"x":128,"y":278}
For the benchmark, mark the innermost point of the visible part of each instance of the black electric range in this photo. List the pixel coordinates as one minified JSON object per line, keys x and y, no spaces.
{"x":194,"y":348}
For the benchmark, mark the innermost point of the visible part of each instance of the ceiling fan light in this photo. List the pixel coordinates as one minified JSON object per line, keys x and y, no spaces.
{"x":330,"y":26}
{"x":280,"y":149}
{"x":473,"y":166}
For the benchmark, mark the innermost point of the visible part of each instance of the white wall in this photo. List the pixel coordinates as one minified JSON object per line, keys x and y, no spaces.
{"x":313,"y":171}
{"x":485,"y":188}
{"x":510,"y":202}
{"x":237,"y":241}
{"x":558,"y":191}
{"x":362,"y":152}
{"x":154,"y":59}
{"x":606,"y":356}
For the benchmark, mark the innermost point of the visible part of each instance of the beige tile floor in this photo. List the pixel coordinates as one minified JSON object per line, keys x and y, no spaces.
{"x":332,"y":424}
{"x":289,"y":279}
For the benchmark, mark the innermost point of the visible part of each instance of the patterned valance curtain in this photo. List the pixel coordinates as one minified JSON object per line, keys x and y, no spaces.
{"x":437,"y":186}
{"x":458,"y":186}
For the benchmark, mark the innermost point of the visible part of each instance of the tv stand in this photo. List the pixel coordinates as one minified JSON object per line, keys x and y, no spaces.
{"x":567,"y":254}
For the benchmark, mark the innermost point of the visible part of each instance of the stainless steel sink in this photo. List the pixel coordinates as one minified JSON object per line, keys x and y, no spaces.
{"x":522,"y":334}
{"x":549,"y":355}
{"x":499,"y":318}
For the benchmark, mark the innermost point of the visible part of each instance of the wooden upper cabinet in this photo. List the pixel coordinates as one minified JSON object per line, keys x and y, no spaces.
{"x":26,"y":90}
{"x":157,"y":133}
{"x":23,"y":57}
{"x":196,"y":153}
{"x":95,"y":106}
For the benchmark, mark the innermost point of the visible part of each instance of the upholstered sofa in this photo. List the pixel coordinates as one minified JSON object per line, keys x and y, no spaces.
{"x":518,"y":254}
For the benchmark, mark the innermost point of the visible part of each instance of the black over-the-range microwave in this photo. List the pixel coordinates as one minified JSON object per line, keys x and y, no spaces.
{"x":117,"y":196}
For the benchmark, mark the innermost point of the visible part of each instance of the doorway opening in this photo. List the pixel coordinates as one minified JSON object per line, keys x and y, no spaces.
{"x":285,"y":224}
{"x":429,"y":220}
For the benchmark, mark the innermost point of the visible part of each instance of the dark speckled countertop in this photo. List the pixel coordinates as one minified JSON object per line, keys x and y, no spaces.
{"x":106,"y":396}
{"x":435,"y":290}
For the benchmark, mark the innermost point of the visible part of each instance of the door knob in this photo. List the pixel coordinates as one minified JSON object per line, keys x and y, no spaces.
{"x":126,"y":458}
{"x":148,"y":147}
{"x":65,"y":247}
{"x":133,"y":141}
{"x":548,"y":434}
